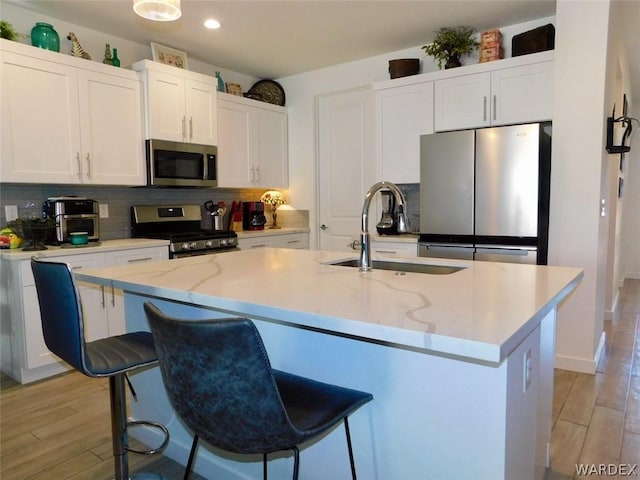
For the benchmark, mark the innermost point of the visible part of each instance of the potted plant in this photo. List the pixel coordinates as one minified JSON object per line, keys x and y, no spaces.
{"x":7,"y":31}
{"x":450,"y":43}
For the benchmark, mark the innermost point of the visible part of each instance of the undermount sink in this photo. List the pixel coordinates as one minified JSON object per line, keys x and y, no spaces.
{"x":403,"y":267}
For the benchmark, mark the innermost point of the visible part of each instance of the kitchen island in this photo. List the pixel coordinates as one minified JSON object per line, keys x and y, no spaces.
{"x":460,"y":365}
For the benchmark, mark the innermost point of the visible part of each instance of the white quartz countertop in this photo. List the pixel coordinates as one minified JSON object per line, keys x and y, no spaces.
{"x":480,"y":313}
{"x":92,"y":247}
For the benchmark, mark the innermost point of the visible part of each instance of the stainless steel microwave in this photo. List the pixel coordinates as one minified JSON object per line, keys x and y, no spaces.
{"x":176,"y":164}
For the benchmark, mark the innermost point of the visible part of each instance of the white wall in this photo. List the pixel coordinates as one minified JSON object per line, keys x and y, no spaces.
{"x":630,"y":244}
{"x":94,"y":42}
{"x":617,"y":85}
{"x":578,"y":234}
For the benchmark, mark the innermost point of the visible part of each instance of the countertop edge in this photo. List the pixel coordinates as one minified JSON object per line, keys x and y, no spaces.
{"x":270,"y":232}
{"x":104,"y":246}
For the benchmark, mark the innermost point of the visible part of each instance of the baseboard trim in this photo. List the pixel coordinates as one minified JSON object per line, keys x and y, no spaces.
{"x":582,"y":365}
{"x":612,"y":314}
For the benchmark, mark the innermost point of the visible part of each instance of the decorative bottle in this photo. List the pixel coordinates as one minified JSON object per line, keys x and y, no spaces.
{"x":116,"y":60}
{"x":108,"y":60}
{"x":220,"y":82}
{"x":44,"y":36}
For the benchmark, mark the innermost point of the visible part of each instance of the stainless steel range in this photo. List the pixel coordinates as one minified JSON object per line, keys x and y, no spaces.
{"x":181,"y":225}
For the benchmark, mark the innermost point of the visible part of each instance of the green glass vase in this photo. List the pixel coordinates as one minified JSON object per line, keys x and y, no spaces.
{"x":44,"y":36}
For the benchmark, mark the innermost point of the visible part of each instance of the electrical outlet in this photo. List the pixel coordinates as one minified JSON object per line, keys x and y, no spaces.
{"x":527,"y":366}
{"x":104,"y":210}
{"x":11,"y":212}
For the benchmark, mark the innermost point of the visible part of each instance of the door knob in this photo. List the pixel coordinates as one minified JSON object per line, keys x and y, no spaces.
{"x":323,"y":227}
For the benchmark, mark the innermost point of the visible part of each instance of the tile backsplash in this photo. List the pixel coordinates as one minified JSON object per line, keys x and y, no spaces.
{"x":119,"y":201}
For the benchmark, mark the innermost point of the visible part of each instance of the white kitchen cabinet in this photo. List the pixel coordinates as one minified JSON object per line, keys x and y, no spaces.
{"x":111,"y":129}
{"x":113,"y":298}
{"x":180,"y":106}
{"x":394,"y":248}
{"x":62,"y":118}
{"x":519,"y":94}
{"x":402,"y":115}
{"x":25,"y":356}
{"x":274,"y":240}
{"x":252,"y":143}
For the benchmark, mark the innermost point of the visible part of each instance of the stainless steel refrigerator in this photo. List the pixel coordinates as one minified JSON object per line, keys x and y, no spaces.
{"x":484,"y":194}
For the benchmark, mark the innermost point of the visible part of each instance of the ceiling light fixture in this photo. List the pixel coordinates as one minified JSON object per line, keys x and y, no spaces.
{"x":212,"y":24}
{"x":158,"y":10}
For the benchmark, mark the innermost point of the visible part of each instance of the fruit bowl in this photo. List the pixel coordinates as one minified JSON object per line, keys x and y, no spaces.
{"x":34,"y":231}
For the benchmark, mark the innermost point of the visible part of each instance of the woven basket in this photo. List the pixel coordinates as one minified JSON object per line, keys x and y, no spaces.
{"x":403,"y":67}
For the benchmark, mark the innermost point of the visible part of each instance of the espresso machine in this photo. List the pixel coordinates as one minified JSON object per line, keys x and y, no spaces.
{"x":388,"y":224}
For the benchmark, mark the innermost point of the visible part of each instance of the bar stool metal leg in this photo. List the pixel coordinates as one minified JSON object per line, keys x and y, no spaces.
{"x":118,"y":426}
{"x":351,"y":461}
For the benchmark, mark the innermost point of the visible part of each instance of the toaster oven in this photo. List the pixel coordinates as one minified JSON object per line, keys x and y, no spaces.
{"x":71,"y":215}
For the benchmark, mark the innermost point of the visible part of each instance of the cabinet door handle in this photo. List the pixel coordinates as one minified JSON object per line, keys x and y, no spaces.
{"x":354,"y":245}
{"x":323,"y":227}
{"x":88,"y":158}
{"x":184,"y":128}
{"x":484,"y":106}
{"x":139,"y":259}
{"x":113,"y":296}
{"x":252,"y":174}
{"x":494,"y":106}
{"x":260,"y":245}
{"x":390,"y":252}
{"x":190,"y":128}
{"x":79,"y":165}
{"x":293,"y":241}
{"x":103,"y":303}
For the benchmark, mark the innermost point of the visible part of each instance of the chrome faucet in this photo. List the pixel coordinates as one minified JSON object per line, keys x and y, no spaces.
{"x":403,"y":227}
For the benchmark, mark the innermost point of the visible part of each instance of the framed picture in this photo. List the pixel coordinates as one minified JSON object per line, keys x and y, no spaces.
{"x":234,"y":89}
{"x":169,"y":56}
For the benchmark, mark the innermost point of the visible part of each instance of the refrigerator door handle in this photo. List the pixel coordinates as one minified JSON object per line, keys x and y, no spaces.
{"x":523,"y":251}
{"x":445,"y":247}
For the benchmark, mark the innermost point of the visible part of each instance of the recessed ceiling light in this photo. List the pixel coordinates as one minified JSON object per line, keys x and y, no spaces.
{"x":212,"y":23}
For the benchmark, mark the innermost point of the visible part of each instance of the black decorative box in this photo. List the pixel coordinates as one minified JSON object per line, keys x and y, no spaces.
{"x":536,"y":40}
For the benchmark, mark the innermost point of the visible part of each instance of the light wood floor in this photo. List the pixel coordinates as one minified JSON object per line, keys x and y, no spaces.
{"x":597,"y":417}
{"x":60,"y":428}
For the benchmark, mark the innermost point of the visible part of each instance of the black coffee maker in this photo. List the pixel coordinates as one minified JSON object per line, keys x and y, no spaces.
{"x":253,"y":217}
{"x":388,"y":224}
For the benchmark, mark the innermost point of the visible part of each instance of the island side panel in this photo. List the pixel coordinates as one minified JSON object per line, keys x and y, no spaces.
{"x":428,"y":412}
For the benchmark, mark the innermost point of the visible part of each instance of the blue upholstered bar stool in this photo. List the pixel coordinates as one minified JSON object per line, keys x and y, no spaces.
{"x":113,"y":357}
{"x":220,"y":382}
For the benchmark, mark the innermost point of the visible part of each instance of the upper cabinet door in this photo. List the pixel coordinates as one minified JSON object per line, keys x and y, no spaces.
{"x":514,"y":95}
{"x":522,"y":94}
{"x":272,"y":149}
{"x":112,"y":129}
{"x":403,"y":114}
{"x":40,"y":122}
{"x":166,"y":107}
{"x":180,"y":105}
{"x":252,"y":143}
{"x":234,"y":146}
{"x":201,"y":115}
{"x":463,"y":102}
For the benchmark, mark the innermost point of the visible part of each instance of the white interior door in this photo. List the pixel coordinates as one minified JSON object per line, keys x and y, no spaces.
{"x":346,"y":165}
